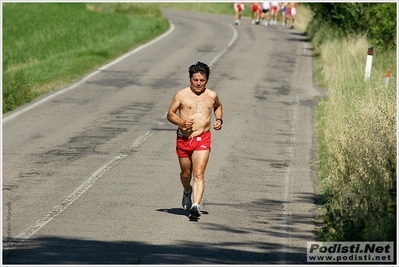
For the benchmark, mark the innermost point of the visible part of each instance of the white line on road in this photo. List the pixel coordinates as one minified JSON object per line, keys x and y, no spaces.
{"x":288,"y":181}
{"x":28,"y":232}
{"x":235,"y":34}
{"x":16,"y":114}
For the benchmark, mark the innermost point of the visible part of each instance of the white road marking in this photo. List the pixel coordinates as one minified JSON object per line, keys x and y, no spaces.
{"x":28,"y":232}
{"x":235,"y":34}
{"x":16,"y":114}
{"x":288,"y":181}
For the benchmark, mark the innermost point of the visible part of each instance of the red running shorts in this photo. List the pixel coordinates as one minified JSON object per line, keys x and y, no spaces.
{"x":185,"y":146}
{"x":238,"y":6}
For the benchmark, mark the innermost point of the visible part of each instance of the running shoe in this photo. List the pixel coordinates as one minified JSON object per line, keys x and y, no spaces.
{"x":186,"y":201}
{"x":195,"y":212}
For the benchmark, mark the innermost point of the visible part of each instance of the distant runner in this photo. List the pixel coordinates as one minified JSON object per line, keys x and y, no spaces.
{"x":238,"y":8}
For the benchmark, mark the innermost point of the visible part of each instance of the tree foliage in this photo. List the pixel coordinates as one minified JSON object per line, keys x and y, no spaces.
{"x":375,"y":20}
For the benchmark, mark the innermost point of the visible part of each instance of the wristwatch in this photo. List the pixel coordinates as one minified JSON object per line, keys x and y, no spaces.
{"x":219,"y":119}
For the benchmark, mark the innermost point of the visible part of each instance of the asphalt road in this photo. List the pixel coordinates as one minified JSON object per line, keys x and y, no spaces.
{"x":90,"y":174}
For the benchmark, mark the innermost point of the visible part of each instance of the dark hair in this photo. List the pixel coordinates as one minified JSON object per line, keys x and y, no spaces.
{"x":199,"y":67}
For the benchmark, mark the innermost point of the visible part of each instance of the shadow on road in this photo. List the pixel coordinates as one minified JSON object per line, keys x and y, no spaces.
{"x":61,"y":250}
{"x":57,"y":250}
{"x":176,"y":211}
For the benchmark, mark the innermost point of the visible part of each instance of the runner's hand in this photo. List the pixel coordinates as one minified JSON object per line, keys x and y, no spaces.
{"x":188,"y":124}
{"x":217,"y":125}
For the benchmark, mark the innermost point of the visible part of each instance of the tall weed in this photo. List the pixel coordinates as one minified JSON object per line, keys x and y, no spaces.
{"x":16,"y":90}
{"x":358,"y":144}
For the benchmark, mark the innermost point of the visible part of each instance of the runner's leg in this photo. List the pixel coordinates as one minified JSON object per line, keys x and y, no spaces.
{"x":186,"y":171}
{"x":200,"y":160}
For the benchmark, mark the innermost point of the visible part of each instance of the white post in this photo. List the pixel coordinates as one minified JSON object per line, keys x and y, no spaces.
{"x":387,"y":77}
{"x":369,"y":62}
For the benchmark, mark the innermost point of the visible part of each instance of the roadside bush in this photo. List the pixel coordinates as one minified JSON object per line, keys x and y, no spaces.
{"x":357,"y":144}
{"x":377,"y":21}
{"x":356,"y":121}
{"x":16,"y":90}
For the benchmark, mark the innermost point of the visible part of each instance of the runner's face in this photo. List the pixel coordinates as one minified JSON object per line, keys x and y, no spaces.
{"x":198,"y":82}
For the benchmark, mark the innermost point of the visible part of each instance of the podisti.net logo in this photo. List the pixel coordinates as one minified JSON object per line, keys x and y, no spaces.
{"x":350,"y":252}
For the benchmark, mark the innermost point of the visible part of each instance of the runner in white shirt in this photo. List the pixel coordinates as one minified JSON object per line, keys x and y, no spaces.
{"x":265,"y":13}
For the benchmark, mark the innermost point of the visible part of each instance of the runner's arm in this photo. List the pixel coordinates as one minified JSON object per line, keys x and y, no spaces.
{"x":218,"y":111}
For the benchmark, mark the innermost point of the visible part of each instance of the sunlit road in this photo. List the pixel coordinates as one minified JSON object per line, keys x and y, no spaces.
{"x":90,"y":174}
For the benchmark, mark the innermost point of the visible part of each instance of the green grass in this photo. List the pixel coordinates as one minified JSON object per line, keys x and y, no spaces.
{"x":48,"y":45}
{"x":221,"y":8}
{"x":356,"y":125}
{"x":356,"y":138}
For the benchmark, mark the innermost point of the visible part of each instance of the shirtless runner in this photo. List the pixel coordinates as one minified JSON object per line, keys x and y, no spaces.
{"x":193,"y":142}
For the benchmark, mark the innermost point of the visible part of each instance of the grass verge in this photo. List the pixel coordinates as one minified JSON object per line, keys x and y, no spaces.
{"x":356,"y":125}
{"x":46,"y":46}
